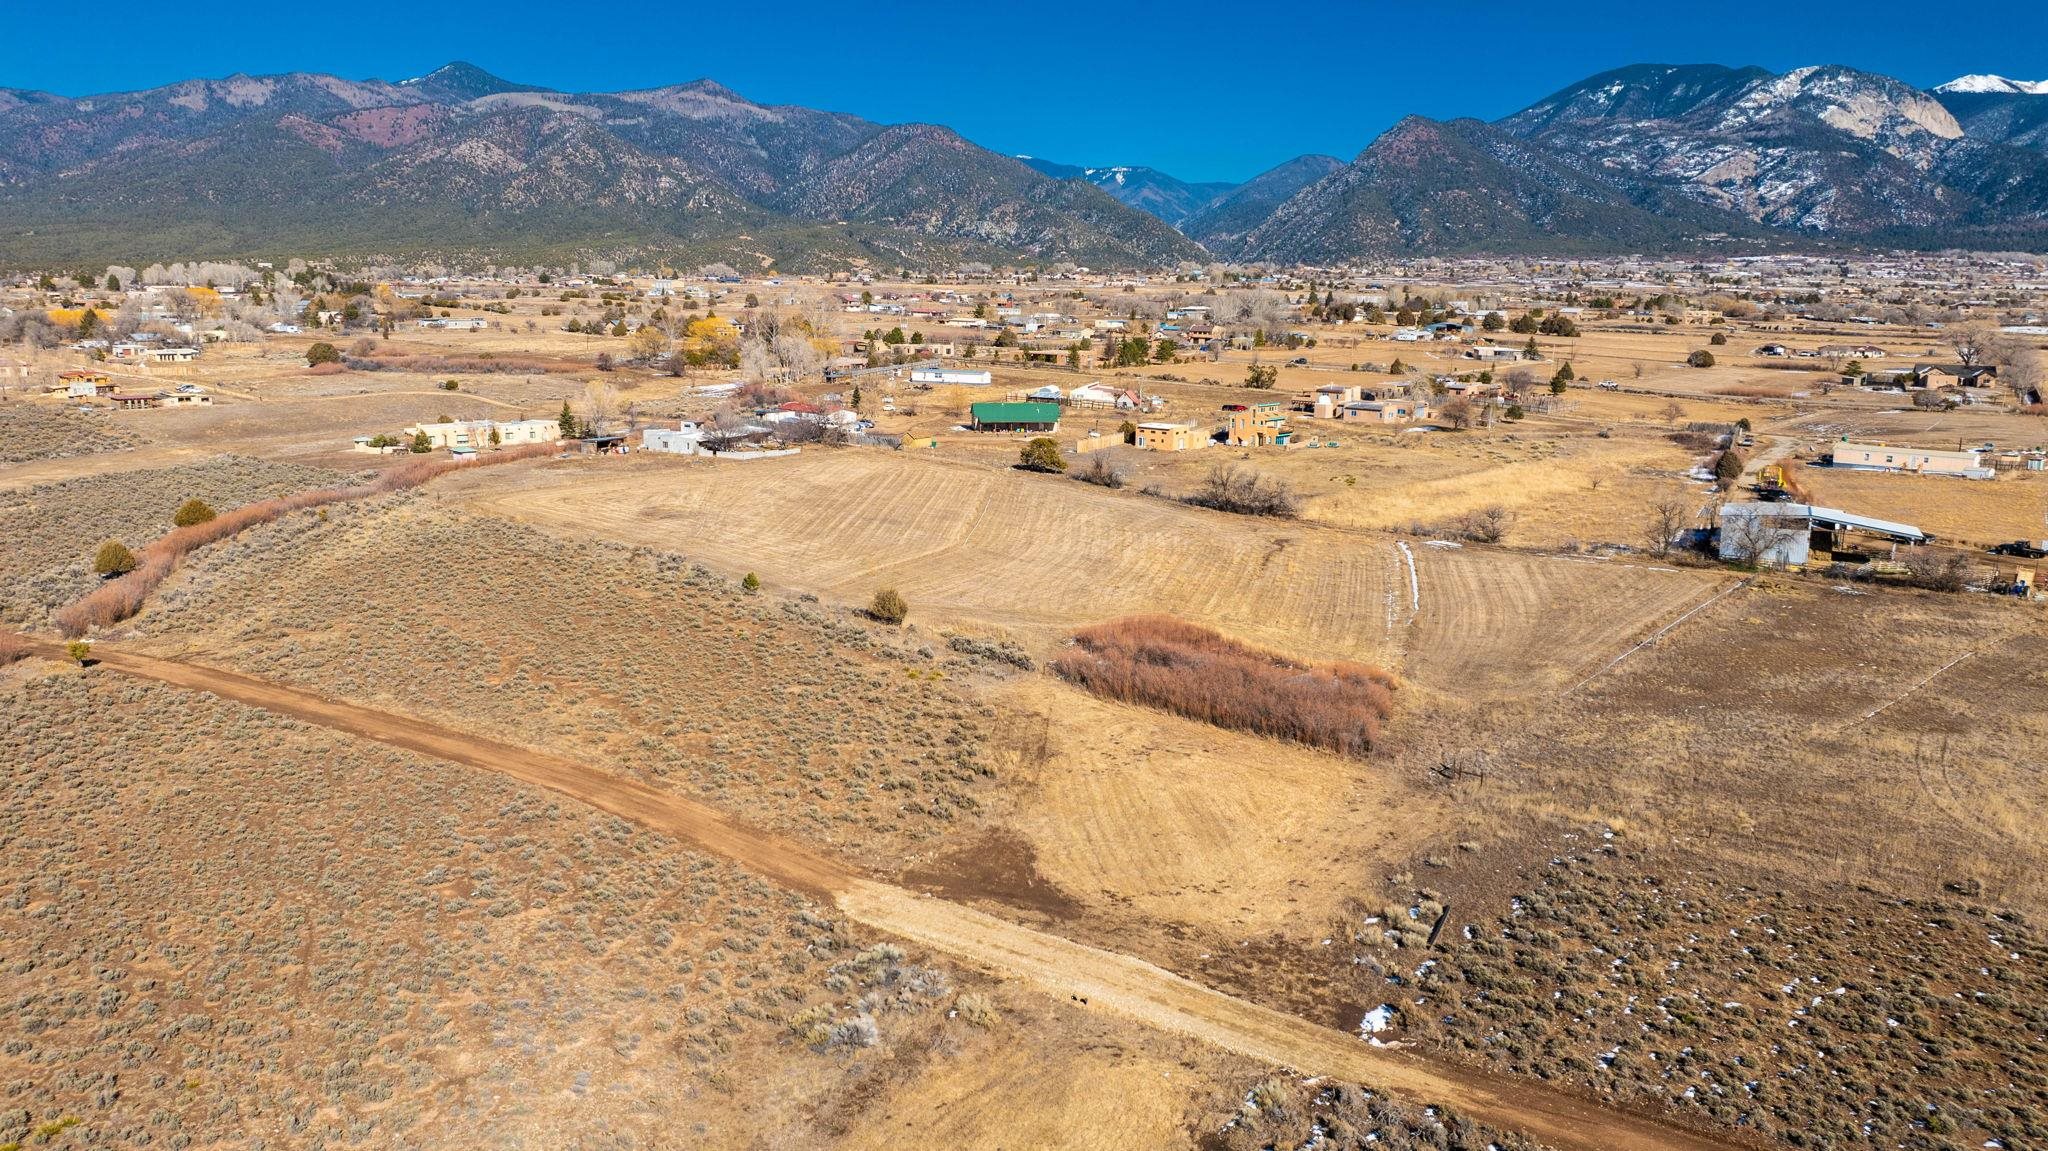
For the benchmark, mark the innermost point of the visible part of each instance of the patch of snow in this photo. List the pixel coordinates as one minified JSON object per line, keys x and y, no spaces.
{"x":1984,"y":82}
{"x":1414,"y":584}
{"x":1377,"y":1020}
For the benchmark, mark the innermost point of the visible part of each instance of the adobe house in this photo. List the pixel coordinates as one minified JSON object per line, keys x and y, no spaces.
{"x":1168,"y":437}
{"x":1256,"y":425}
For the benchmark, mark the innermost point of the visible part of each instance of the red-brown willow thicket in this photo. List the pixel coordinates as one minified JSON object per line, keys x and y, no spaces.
{"x":120,"y":599}
{"x":1189,"y":670}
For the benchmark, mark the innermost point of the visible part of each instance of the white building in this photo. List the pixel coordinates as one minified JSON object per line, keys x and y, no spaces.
{"x":474,"y":434}
{"x":683,"y":440}
{"x":524,"y":431}
{"x":951,"y":376}
{"x":1968,"y":462}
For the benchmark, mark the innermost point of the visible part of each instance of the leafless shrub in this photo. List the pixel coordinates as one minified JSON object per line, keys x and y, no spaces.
{"x":1229,"y":488}
{"x":121,"y":599}
{"x":1487,"y":525}
{"x":1934,"y":571}
{"x":976,"y":1010}
{"x":459,"y":365}
{"x":1100,"y":472}
{"x":1000,"y":651}
{"x":1189,"y":670}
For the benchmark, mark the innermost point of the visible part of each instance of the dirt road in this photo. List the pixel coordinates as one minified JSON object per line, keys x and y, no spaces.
{"x":1057,"y":966}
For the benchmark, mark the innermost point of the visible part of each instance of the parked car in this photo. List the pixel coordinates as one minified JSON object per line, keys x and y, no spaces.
{"x":2022,"y":549}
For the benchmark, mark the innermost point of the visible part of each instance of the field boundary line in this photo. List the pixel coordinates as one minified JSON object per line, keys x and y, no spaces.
{"x":1661,"y":632}
{"x":1906,"y":694}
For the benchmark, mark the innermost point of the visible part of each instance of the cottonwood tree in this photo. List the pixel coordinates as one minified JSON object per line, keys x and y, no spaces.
{"x":1972,"y":341}
{"x":1749,"y":539}
{"x":598,"y":410}
{"x":2026,"y":374}
{"x":757,"y":360}
{"x":1666,"y":519}
{"x":647,"y":343}
{"x":799,"y":357}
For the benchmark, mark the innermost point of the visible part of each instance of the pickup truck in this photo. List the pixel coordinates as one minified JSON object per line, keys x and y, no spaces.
{"x":2022,"y":549}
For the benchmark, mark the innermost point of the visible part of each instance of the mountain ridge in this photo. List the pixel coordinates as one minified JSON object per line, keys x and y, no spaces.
{"x":462,"y":156}
{"x":1647,"y":157}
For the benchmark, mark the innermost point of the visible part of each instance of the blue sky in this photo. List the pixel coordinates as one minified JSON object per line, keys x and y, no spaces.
{"x":1201,"y":89}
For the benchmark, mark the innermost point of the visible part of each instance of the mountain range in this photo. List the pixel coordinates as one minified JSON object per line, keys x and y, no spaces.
{"x":460,"y":163}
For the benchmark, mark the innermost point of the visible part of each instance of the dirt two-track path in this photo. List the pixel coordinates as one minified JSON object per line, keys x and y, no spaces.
{"x":1058,"y":966}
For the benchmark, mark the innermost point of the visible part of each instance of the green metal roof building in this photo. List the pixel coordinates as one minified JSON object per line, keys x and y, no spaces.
{"x":1021,"y":417}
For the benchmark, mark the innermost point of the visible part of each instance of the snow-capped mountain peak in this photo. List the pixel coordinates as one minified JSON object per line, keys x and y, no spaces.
{"x":1984,"y":83}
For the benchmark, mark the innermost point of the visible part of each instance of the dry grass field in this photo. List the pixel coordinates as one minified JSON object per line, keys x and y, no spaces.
{"x":1143,"y":817}
{"x":990,"y":547}
{"x":1793,"y":729}
{"x":2013,"y":506}
{"x":1562,"y":488}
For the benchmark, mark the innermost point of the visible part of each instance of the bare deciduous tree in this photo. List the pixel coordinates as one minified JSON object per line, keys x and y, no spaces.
{"x":599,"y":407}
{"x":1666,"y":519}
{"x":1749,"y":538}
{"x":2026,"y":374}
{"x":1972,"y":341}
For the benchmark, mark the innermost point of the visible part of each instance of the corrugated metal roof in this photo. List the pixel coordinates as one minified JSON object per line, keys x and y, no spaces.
{"x":1001,"y":413}
{"x":1825,"y":517}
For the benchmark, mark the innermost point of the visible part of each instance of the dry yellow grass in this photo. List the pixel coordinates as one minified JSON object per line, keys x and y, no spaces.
{"x":2011,"y":507}
{"x":1561,"y":488}
{"x":1047,"y":1093}
{"x":1496,"y":625}
{"x":1140,"y":812}
{"x":1037,"y":555}
{"x":970,"y":544}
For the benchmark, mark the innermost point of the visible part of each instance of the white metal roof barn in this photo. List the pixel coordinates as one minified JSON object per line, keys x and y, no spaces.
{"x":1782,"y":534}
